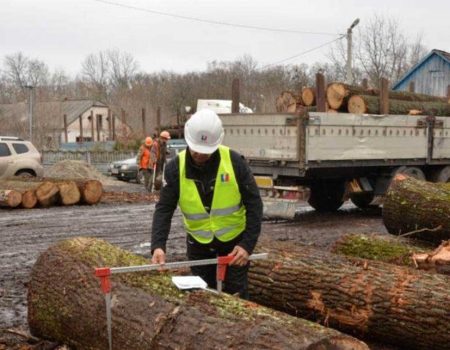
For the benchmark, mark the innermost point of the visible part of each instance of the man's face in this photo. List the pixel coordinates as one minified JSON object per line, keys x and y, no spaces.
{"x":199,"y":158}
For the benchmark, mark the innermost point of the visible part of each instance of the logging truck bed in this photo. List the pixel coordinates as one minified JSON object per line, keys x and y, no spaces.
{"x":124,"y":218}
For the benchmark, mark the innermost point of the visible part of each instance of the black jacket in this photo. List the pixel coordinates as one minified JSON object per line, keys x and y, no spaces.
{"x":205,"y":178}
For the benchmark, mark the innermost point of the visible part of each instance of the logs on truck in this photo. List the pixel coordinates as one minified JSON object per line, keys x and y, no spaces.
{"x":418,"y":209}
{"x":400,"y":305}
{"x":48,"y":192}
{"x":66,"y":304}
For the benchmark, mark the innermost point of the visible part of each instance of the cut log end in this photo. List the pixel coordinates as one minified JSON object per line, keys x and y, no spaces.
{"x":91,"y":191}
{"x":308,"y":96}
{"x":29,"y":199}
{"x":336,"y":92}
{"x":69,"y":192}
{"x":357,"y":105}
{"x":47,"y":194}
{"x":10,"y":198}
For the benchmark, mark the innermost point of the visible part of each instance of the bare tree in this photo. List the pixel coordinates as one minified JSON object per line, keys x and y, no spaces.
{"x":123,"y":67}
{"x":95,"y":68}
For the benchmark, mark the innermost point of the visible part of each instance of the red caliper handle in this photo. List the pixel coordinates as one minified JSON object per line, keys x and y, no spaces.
{"x":103,"y":273}
{"x":222,"y":262}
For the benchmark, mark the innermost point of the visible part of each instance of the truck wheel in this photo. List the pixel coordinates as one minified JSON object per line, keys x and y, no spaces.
{"x":441,"y":175}
{"x":362,"y":200}
{"x":412,"y":171}
{"x":327,"y":196}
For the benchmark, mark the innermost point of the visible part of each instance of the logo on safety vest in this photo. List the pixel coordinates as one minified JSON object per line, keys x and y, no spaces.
{"x":225,"y":177}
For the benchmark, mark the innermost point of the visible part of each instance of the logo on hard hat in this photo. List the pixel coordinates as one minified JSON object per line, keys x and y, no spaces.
{"x":204,"y":138}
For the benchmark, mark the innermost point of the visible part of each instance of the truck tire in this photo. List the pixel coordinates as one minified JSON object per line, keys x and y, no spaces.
{"x":362,"y":200}
{"x":441,"y":175}
{"x":327,"y":196}
{"x":412,"y":171}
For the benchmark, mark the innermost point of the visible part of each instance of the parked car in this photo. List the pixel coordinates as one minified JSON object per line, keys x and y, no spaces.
{"x":19,"y":158}
{"x":127,"y":170}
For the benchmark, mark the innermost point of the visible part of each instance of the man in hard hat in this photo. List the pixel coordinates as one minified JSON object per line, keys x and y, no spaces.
{"x":219,"y":200}
{"x":144,"y":162}
{"x":158,"y":155}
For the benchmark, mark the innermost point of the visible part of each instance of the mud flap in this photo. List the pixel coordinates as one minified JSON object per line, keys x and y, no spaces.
{"x":279,"y":208}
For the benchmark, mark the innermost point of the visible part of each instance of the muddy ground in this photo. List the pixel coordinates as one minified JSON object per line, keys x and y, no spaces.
{"x":124,"y":218}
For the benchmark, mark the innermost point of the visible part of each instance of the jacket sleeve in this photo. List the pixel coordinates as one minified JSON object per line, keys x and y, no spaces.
{"x":138,"y":157}
{"x":166,"y":206}
{"x":251,"y":199}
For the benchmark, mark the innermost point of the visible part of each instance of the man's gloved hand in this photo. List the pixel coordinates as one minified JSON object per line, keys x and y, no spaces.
{"x":159,"y":257}
{"x":240,"y":256}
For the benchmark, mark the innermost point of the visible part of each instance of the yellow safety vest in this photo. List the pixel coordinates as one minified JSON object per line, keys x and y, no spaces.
{"x":226,"y":219}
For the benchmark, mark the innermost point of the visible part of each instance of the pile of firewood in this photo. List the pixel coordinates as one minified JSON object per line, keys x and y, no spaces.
{"x":30,"y":193}
{"x":341,"y":97}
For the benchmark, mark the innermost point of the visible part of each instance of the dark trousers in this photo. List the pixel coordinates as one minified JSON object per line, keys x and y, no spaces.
{"x":236,"y":280}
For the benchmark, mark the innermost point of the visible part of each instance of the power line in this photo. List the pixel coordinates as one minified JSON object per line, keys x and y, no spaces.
{"x":196,"y":19}
{"x":302,"y":53}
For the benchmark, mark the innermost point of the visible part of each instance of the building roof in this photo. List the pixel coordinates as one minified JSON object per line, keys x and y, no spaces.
{"x":74,"y":108}
{"x":443,"y":54}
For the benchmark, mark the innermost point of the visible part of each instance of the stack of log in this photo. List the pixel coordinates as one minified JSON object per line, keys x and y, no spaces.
{"x":341,"y":97}
{"x":30,"y":193}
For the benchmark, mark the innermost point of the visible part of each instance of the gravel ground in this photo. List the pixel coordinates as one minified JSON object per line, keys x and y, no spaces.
{"x":126,"y":223}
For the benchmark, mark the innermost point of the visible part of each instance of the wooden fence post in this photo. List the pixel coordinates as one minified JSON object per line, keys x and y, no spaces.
{"x":235,"y":96}
{"x":66,"y":136}
{"x":158,"y":120}
{"x":384,"y":96}
{"x":321,"y":101}
{"x":144,"y":128}
{"x":92,"y":126}
{"x":81,"y":128}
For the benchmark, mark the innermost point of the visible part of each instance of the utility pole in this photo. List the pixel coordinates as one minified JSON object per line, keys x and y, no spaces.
{"x":349,"y":51}
{"x":30,"y":110}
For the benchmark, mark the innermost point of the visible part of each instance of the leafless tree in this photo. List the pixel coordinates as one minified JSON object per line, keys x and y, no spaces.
{"x":95,"y":68}
{"x":122,"y":67}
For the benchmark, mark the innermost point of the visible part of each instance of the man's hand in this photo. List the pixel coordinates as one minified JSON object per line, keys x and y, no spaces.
{"x":159,"y":257}
{"x":240,"y":256}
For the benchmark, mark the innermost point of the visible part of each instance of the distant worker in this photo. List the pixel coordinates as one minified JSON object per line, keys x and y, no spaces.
{"x":158,"y":156}
{"x":219,"y":201}
{"x":144,"y":163}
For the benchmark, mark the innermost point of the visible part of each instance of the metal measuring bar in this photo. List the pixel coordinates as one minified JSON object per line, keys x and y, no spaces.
{"x":104,"y":274}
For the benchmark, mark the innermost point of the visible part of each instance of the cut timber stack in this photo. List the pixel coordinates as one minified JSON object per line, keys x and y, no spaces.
{"x":418,"y":208}
{"x":309,"y":96}
{"x":50,"y":192}
{"x":356,"y":99}
{"x":399,"y":305}
{"x":287,"y":102}
{"x":65,"y":303}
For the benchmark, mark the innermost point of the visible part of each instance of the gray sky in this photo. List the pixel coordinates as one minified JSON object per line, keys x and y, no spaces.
{"x":63,"y":32}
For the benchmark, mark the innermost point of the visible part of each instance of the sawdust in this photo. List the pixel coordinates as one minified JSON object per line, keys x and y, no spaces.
{"x":76,"y":169}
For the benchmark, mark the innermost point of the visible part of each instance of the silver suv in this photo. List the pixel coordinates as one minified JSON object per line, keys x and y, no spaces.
{"x":19,"y":158}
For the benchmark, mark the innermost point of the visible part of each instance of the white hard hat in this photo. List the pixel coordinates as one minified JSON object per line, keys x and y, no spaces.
{"x":203,"y":131}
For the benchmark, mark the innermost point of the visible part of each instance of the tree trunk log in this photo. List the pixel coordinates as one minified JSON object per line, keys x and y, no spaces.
{"x":10,"y":198}
{"x":309,"y":96}
{"x":47,"y":194}
{"x":69,"y":192}
{"x":418,"y":208}
{"x":287,"y":102}
{"x":91,"y":191}
{"x":437,"y":261}
{"x":362,"y":104}
{"x":65,"y":303}
{"x":29,"y":199}
{"x":338,"y":93}
{"x":397,"y":304}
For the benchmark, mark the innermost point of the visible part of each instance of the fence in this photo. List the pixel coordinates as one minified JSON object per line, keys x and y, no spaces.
{"x":99,"y":159}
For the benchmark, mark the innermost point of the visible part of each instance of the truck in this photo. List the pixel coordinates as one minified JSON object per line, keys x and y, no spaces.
{"x":340,"y":155}
{"x":221,"y":106}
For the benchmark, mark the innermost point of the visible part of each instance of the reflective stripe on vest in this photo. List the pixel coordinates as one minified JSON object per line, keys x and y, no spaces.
{"x":226,"y":219}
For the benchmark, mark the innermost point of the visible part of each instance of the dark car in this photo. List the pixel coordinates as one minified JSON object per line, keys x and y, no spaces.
{"x":126,"y":170}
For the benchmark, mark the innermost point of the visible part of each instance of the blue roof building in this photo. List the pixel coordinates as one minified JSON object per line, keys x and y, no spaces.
{"x":431,"y":76}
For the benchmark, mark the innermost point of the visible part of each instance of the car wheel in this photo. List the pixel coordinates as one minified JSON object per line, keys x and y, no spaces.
{"x":25,"y":174}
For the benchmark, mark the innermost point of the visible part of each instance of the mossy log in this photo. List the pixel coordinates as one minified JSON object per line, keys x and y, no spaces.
{"x":65,"y":303}
{"x":417,"y":208}
{"x":399,"y":305}
{"x":385,"y":248}
{"x":10,"y":198}
{"x":339,"y":93}
{"x":364,"y":104}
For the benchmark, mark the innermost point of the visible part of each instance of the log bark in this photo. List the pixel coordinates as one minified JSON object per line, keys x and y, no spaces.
{"x":10,"y":198}
{"x":362,"y":104}
{"x":338,"y":93}
{"x":65,"y":303}
{"x":399,"y":305}
{"x":385,"y":248}
{"x":418,"y":208}
{"x":309,"y":96}
{"x":437,"y":261}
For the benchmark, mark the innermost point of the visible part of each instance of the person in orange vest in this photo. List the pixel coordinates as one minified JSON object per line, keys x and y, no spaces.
{"x":158,"y":155}
{"x":144,"y":161}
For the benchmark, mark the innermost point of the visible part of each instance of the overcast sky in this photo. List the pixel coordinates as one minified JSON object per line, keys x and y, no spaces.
{"x":63,"y":32}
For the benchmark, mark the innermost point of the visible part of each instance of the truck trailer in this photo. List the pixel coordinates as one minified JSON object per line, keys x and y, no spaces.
{"x":337,"y":155}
